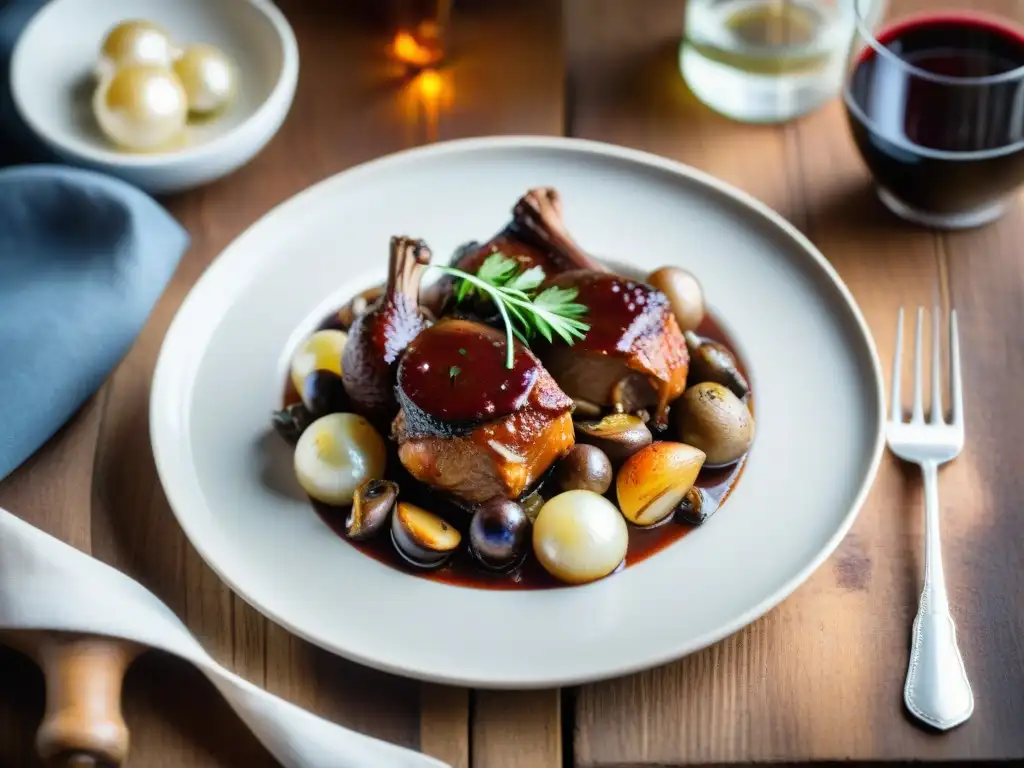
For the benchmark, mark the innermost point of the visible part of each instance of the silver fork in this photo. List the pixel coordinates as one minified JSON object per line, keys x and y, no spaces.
{"x":937,"y":691}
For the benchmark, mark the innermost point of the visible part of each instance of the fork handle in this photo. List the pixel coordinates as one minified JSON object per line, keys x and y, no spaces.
{"x":937,"y":691}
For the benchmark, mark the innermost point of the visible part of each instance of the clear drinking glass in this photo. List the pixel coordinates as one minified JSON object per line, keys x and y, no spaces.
{"x":935,"y":101}
{"x":766,"y":61}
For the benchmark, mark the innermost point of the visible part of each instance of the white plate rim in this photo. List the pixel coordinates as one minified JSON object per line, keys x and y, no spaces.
{"x":556,"y":143}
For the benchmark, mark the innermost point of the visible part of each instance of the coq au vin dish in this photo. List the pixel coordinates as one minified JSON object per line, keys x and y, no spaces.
{"x":529,"y":419}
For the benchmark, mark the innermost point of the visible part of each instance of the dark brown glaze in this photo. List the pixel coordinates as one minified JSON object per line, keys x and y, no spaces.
{"x":487,"y":431}
{"x":377,"y":337}
{"x":633,"y":355}
{"x":454,"y":376}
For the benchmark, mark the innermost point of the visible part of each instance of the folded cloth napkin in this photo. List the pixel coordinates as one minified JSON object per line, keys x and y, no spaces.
{"x":46,"y":584}
{"x":83,"y":259}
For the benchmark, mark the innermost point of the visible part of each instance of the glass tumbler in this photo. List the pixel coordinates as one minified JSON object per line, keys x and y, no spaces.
{"x":766,"y":61}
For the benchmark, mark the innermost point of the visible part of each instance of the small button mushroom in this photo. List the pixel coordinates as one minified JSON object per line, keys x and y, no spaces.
{"x":321,"y":351}
{"x":371,"y":506}
{"x":696,"y":507}
{"x":653,"y":481}
{"x":717,"y":422}
{"x":711,"y":361}
{"x":584,"y":468}
{"x":684,"y":294}
{"x":336,"y":454}
{"x":291,"y":421}
{"x":421,"y":537}
{"x":323,"y":392}
{"x":498,"y":534}
{"x":619,"y":435}
{"x":579,"y":536}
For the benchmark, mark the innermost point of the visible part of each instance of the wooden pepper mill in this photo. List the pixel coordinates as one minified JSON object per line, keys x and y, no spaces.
{"x":82,"y":725}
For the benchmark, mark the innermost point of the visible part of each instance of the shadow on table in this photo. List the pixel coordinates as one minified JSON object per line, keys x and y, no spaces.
{"x":22,"y":697}
{"x":175,"y":714}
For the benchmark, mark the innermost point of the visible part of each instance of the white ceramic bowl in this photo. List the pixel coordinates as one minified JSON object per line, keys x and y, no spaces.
{"x":52,"y":83}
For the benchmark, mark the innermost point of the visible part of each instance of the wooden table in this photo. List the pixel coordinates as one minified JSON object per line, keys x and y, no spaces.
{"x":817,"y":679}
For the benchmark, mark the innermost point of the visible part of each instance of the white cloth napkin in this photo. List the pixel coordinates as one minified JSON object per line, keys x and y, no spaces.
{"x":46,"y":584}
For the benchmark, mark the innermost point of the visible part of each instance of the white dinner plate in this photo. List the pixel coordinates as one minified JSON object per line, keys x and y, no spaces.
{"x":813,"y":368}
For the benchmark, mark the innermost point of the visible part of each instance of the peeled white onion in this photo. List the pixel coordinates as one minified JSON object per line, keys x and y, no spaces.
{"x":579,"y":536}
{"x":136,"y":41}
{"x":209,"y":78}
{"x":141,"y":107}
{"x":320,"y":352}
{"x":336,"y":454}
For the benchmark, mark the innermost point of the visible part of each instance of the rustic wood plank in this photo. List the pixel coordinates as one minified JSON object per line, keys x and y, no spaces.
{"x":820,"y":677}
{"x":444,"y":731}
{"x":981,"y":491}
{"x":516,"y":729}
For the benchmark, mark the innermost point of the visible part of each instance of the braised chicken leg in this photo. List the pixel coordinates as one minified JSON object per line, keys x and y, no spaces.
{"x":378,"y":337}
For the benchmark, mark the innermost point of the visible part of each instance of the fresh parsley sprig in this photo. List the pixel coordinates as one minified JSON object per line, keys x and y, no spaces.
{"x":551,"y":312}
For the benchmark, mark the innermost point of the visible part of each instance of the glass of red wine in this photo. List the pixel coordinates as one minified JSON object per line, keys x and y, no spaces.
{"x":935,"y":100}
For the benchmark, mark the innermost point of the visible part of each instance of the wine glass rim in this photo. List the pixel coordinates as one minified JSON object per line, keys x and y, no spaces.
{"x":992,"y":20}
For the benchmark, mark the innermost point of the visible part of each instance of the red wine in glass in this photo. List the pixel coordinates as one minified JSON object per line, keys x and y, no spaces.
{"x":936,"y":106}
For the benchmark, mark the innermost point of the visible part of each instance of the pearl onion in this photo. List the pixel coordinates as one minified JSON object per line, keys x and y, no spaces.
{"x":135,"y":42}
{"x":336,"y":454}
{"x":579,"y":536}
{"x":208,"y":76}
{"x":141,"y":107}
{"x":320,"y":352}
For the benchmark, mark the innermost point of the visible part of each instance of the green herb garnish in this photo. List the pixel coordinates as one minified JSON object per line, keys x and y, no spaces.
{"x":551,"y":312}
{"x":453,"y":372}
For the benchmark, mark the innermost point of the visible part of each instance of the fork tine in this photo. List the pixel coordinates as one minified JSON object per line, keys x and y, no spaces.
{"x":896,"y":408}
{"x":956,"y":385}
{"x":917,"y":416}
{"x":937,"y":415}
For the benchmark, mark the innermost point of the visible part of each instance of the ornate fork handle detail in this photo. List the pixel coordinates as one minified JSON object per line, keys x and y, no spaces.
{"x":937,"y":690}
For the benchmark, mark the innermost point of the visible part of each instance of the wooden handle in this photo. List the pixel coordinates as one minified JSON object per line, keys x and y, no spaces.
{"x":83,"y":724}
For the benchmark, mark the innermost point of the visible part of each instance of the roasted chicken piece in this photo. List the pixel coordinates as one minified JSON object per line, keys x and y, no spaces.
{"x":633,"y":357}
{"x":378,"y":336}
{"x":535,"y":236}
{"x":470,"y":426}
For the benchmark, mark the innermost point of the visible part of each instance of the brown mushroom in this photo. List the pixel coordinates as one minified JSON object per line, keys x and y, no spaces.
{"x":713,"y":419}
{"x":619,"y":435}
{"x":584,"y":468}
{"x":711,"y":361}
{"x":371,"y":505}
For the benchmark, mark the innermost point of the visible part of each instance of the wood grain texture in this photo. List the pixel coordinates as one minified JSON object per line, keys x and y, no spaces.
{"x":516,"y":729}
{"x":820,"y":677}
{"x":352,"y":105}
